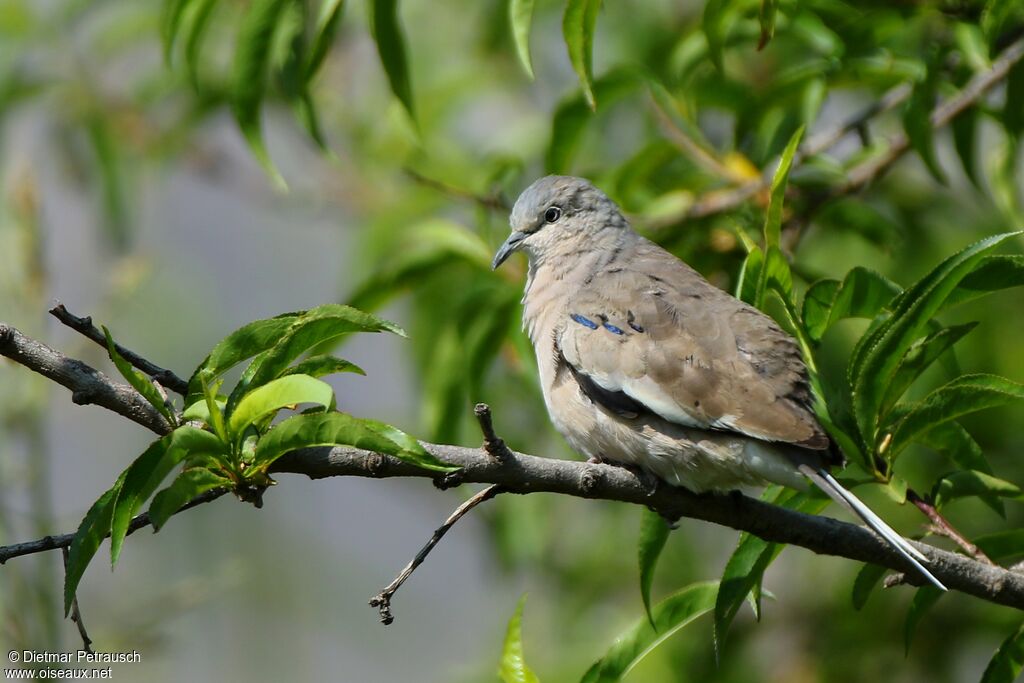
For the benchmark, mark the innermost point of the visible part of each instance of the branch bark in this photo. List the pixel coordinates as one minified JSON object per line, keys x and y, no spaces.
{"x":521,"y":473}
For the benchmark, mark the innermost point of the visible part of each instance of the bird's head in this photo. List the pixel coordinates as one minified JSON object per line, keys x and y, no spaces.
{"x":557,"y":215}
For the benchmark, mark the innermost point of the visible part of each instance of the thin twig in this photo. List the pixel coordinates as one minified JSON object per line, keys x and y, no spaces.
{"x":494,"y":446}
{"x":494,"y":202}
{"x":76,"y":613}
{"x":382,"y":601}
{"x":85,"y":327}
{"x":46,"y":543}
{"x":941,"y":526}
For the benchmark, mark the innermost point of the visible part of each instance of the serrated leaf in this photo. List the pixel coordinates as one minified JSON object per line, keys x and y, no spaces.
{"x":330,"y":429}
{"x":924,"y":599}
{"x":148,"y":471}
{"x":972,"y":483}
{"x":185,"y":487}
{"x":918,"y":124}
{"x":578,"y":25}
{"x":267,"y":399}
{"x":1005,"y":666}
{"x":387,"y":34}
{"x":250,"y":76}
{"x":320,"y":366}
{"x":311,"y":329}
{"x":513,"y":668}
{"x":654,"y":531}
{"x":952,"y":440}
{"x":993,"y":273}
{"x":91,"y":532}
{"x":670,"y":615}
{"x":867,"y":578}
{"x":961,"y":396}
{"x":139,"y":381}
{"x":919,"y":358}
{"x":521,"y":19}
{"x":880,"y":350}
{"x":327,"y":22}
{"x":863,"y":293}
{"x":245,"y":342}
{"x":773,"y":217}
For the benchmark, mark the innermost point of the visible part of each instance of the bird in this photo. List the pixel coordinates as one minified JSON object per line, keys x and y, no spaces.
{"x":644,"y":363}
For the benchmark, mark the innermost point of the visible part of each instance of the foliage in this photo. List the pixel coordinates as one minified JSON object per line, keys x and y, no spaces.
{"x":230,"y":441}
{"x":673,"y":109}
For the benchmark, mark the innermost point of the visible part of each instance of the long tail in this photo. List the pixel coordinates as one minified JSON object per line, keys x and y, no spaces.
{"x":827,"y":483}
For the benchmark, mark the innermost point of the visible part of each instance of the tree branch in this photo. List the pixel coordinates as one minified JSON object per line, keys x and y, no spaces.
{"x":519,"y":473}
{"x":87,"y":384}
{"x":85,"y":327}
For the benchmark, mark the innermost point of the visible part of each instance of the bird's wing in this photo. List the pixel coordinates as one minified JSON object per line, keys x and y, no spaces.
{"x":649,"y":333}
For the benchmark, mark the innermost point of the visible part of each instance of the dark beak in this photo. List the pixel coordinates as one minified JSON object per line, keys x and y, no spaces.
{"x":511,"y":245}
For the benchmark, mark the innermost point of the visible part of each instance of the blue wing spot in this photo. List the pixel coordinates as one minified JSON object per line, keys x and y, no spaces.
{"x":633,"y":325}
{"x":586,"y":322}
{"x":611,"y":328}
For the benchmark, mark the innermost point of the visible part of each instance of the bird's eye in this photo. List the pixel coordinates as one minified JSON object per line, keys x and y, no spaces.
{"x":552,"y":214}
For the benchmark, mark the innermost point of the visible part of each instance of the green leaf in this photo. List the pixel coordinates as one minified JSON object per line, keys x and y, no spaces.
{"x":320,"y":366}
{"x":993,"y":273}
{"x":329,"y":429}
{"x":766,"y":17}
{"x":918,"y":124}
{"x":952,"y":440}
{"x":276,"y":394}
{"x":1002,"y":546}
{"x":750,"y":276}
{"x":961,"y":396}
{"x":315,"y":327}
{"x":148,"y":471}
{"x":185,"y":487}
{"x":965,"y":135}
{"x":972,"y":483}
{"x":879,"y":351}
{"x":250,"y":76}
{"x":1005,"y":666}
{"x":773,"y":218}
{"x":654,"y":531}
{"x":578,"y":29}
{"x":327,"y":23}
{"x":863,"y":293}
{"x":924,"y":599}
{"x":194,"y":39}
{"x":93,"y":529}
{"x":170,"y":21}
{"x":775,"y":276}
{"x":715,"y":27}
{"x":521,"y":18}
{"x":387,"y":33}
{"x":513,"y":668}
{"x":919,"y":358}
{"x":670,"y":615}
{"x":245,"y":342}
{"x":139,"y":381}
{"x":867,"y":578}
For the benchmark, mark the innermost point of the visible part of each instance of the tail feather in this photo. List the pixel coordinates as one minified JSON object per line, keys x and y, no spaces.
{"x":827,"y":483}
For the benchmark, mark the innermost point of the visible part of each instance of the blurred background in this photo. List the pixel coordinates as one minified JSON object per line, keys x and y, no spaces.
{"x":128,"y":192}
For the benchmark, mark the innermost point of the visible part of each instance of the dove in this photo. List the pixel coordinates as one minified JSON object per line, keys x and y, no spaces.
{"x":644,"y":363}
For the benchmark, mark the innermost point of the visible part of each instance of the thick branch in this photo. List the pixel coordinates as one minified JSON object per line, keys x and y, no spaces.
{"x":520,"y":473}
{"x":87,"y":384}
